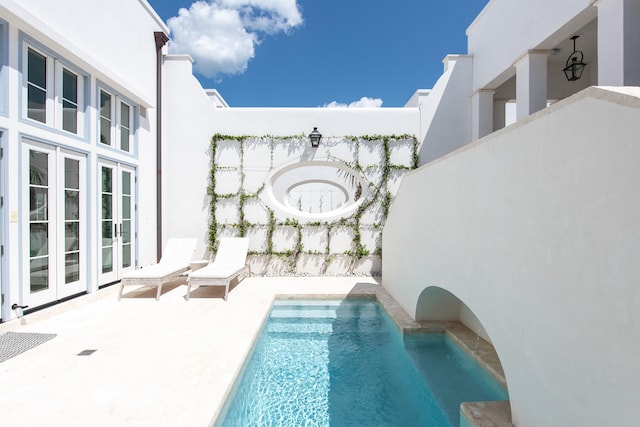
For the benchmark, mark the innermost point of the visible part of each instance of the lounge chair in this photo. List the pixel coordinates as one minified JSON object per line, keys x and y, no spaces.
{"x":175,"y":261}
{"x":229,"y":263}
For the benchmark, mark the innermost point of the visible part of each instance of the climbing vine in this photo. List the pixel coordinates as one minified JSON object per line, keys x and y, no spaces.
{"x":378,"y":195}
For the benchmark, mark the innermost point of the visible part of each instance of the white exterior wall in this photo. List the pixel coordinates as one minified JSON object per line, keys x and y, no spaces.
{"x":533,"y":229}
{"x":195,"y":119}
{"x":528,"y":25}
{"x":121,"y":61}
{"x":618,"y":42}
{"x":448,"y":102}
{"x":114,"y":38}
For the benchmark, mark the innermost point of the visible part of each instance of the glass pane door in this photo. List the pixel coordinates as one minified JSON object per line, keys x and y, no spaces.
{"x":117,"y":222}
{"x":39,"y":221}
{"x":107,"y":224}
{"x":53,"y":230}
{"x":71,"y":227}
{"x":3,"y":307}
{"x":38,"y":231}
{"x":72,"y":220}
{"x":126,"y":220}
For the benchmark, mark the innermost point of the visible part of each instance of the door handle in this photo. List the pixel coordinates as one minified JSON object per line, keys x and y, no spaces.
{"x":120,"y":230}
{"x":115,"y":231}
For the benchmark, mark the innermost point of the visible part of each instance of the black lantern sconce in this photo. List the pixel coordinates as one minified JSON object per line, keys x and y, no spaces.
{"x":575,"y":65}
{"x":315,"y":137}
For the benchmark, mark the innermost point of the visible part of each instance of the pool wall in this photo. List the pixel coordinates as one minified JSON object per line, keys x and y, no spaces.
{"x":472,"y":344}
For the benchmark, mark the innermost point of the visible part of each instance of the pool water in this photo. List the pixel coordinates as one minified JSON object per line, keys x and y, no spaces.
{"x":343,"y":363}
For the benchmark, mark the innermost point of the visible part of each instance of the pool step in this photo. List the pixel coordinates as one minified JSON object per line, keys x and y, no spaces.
{"x":292,"y":319}
{"x":323,"y":311}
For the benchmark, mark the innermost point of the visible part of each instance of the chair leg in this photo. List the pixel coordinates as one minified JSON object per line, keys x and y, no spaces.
{"x":121,"y":285}
{"x":188,"y":290}
{"x":159,"y":292}
{"x":246,"y":272}
{"x":226,"y":290}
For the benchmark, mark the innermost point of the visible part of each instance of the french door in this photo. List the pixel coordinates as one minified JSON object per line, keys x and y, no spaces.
{"x":2,"y":283}
{"x":54,"y":219}
{"x":117,"y":221}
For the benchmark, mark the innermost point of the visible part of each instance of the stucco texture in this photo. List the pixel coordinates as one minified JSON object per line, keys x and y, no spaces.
{"x":534,"y":228}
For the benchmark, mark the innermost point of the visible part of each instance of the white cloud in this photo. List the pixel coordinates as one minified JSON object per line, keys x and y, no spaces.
{"x":269,"y":16}
{"x":363,"y":102}
{"x":221,"y":35}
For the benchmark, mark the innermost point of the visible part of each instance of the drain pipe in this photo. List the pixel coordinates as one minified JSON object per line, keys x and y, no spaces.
{"x":161,"y":39}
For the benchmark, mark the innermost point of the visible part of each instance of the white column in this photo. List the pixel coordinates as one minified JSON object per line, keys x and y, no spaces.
{"x":618,"y":42}
{"x":482,"y":113}
{"x":531,"y":83}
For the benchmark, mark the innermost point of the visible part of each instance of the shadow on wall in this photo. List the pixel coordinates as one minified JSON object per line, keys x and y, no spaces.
{"x":438,"y":304}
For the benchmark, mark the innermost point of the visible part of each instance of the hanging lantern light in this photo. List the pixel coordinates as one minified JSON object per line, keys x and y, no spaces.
{"x":575,"y":64}
{"x":315,"y":137}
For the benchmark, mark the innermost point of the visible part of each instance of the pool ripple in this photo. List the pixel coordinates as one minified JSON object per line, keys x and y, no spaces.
{"x":338,"y":363}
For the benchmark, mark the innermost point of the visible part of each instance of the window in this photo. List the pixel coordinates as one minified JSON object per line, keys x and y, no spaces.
{"x":116,"y":122}
{"x":125,"y":126}
{"x":105,"y":118}
{"x":69,"y":101}
{"x":36,"y":86}
{"x":53,"y":91}
{"x":3,"y":67}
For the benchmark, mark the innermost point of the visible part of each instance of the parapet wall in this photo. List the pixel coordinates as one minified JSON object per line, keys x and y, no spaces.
{"x":534,"y":229}
{"x":186,"y":170}
{"x":307,"y":210}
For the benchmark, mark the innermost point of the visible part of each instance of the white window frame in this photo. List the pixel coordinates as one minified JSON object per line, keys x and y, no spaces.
{"x":121,"y":127}
{"x":59,"y":98}
{"x":54,"y":90}
{"x":116,"y":122}
{"x":49,"y":84}
{"x":4,"y":49}
{"x":111,"y":117}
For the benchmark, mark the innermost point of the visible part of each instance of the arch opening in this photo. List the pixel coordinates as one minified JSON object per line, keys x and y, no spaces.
{"x":438,"y":304}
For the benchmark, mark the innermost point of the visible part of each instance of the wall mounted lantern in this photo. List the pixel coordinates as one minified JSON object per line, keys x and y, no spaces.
{"x":575,"y":65}
{"x":315,"y":137}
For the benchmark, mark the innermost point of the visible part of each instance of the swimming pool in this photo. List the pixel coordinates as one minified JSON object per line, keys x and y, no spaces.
{"x":343,"y":363}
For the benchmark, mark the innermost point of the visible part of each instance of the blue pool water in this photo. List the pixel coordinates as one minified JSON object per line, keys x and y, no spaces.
{"x":343,"y":363}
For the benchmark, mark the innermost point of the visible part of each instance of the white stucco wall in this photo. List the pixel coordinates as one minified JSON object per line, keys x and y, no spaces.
{"x":618,"y":42}
{"x":123,"y":61}
{"x":194,"y":119}
{"x":331,"y":122}
{"x":506,"y":29}
{"x":114,"y":38}
{"x":448,"y":102}
{"x":534,"y":229}
{"x":111,"y":45}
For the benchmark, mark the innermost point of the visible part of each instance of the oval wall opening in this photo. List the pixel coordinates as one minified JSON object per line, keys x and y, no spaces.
{"x":316,"y":189}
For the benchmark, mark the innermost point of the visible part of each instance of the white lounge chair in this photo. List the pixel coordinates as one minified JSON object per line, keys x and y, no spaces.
{"x":175,"y":261}
{"x":229,"y":263}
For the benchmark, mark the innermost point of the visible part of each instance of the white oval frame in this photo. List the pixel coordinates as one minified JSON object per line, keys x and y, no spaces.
{"x":280,"y":205}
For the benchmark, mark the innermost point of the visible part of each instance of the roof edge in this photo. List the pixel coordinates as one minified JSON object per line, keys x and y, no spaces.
{"x":151,"y":11}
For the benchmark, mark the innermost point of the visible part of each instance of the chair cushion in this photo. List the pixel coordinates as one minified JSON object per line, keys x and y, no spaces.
{"x":154,"y":271}
{"x":216,"y":271}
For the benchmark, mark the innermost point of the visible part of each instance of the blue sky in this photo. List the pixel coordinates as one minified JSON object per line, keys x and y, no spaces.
{"x":315,"y":53}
